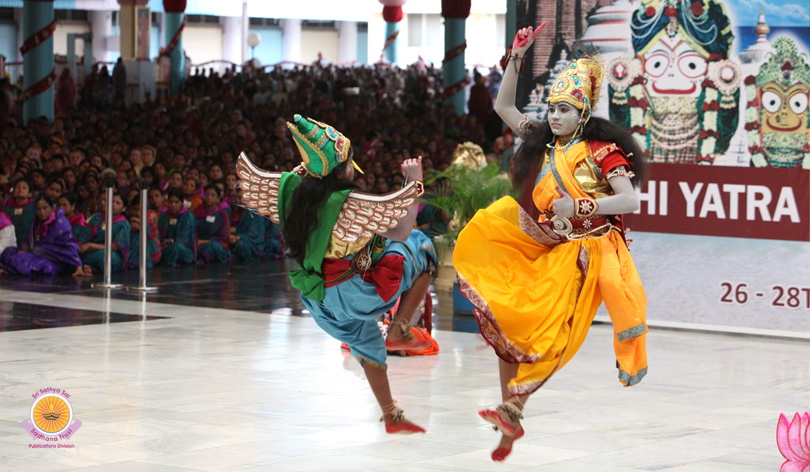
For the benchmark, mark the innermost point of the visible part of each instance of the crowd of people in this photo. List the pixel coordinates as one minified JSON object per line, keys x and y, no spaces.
{"x":185,"y":149}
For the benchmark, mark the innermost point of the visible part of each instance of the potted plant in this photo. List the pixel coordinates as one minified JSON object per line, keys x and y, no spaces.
{"x":468,"y":185}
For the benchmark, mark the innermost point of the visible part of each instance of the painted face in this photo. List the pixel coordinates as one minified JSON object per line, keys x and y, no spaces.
{"x":43,"y":210}
{"x":563,"y":119}
{"x":674,"y":68}
{"x":784,"y":110}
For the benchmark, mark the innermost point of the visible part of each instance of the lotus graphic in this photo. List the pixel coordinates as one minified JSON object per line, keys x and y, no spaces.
{"x":793,"y":440}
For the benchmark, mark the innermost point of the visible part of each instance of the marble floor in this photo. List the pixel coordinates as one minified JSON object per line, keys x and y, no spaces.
{"x":216,"y":374}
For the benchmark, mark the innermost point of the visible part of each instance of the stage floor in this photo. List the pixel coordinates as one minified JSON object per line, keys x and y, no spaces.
{"x":221,"y":370}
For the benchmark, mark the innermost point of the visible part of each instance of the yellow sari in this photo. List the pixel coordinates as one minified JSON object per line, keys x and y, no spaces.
{"x":534,"y":303}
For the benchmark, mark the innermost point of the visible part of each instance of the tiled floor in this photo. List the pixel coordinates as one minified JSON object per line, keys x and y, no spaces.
{"x":246,"y":386}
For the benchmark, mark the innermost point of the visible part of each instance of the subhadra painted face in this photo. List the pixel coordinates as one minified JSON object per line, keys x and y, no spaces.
{"x":562,"y":118}
{"x":673,"y":67}
{"x":784,"y":111}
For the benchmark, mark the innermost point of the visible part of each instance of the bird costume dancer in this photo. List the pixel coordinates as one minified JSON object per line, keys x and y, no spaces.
{"x":537,"y":269}
{"x":357,"y":252}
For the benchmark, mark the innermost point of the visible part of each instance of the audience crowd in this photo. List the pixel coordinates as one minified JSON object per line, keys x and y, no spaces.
{"x":184,"y":148}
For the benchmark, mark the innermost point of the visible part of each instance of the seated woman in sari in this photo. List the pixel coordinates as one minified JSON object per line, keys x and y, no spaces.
{"x":50,"y":247}
{"x":7,"y":236}
{"x":247,"y":236}
{"x":176,"y":230}
{"x":93,"y":251}
{"x":81,"y":231}
{"x":273,"y":240}
{"x":152,"y":243}
{"x":20,"y":209}
{"x":213,"y":227}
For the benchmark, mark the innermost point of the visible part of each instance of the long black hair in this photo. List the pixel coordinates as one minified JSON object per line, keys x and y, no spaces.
{"x":310,"y":195}
{"x":531,"y":151}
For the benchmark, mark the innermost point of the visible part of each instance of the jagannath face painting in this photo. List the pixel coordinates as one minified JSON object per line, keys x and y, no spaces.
{"x":784,"y":110}
{"x":679,"y":95}
{"x":674,"y":68}
{"x":777,"y":116}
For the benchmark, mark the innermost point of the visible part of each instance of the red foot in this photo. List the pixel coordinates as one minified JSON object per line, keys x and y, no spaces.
{"x":501,"y":453}
{"x":493,"y":417}
{"x":403,"y":427}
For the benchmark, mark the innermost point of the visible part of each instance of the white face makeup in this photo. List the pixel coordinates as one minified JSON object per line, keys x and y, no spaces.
{"x":563,"y":119}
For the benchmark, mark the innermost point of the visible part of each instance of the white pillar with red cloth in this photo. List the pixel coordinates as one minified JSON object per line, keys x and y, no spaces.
{"x":392,"y":14}
{"x":455,"y":13}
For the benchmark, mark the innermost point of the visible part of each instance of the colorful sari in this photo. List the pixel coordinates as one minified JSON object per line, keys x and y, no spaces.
{"x":153,"y":252}
{"x":215,"y":227}
{"x":22,"y":216}
{"x":177,"y":238}
{"x":81,"y":231}
{"x":250,"y":229}
{"x":120,"y":243}
{"x":49,"y":249}
{"x":273,"y":242}
{"x":534,"y":303}
{"x":8,"y":237}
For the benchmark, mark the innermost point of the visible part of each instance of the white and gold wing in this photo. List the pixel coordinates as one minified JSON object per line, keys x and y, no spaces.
{"x":361,"y":216}
{"x":365,"y":214}
{"x":259,"y":187}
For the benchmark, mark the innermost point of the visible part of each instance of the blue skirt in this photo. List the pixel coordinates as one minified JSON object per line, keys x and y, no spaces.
{"x":349,"y":310}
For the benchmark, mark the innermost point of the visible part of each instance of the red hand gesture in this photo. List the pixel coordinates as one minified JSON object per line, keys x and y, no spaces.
{"x":525,"y":37}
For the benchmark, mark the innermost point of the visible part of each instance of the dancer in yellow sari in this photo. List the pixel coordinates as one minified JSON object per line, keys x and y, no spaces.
{"x":537,"y":269}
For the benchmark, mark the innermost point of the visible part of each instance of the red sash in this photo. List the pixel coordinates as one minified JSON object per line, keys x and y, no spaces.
{"x":385,"y":274}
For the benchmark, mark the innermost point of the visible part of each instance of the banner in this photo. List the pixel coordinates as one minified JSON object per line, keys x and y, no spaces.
{"x":717,"y":93}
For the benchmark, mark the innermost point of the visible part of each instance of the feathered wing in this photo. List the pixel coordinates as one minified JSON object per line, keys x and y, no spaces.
{"x":259,"y":187}
{"x":365,"y":214}
{"x":361,"y":216}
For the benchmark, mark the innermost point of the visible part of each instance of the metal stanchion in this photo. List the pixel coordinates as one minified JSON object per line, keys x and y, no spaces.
{"x":109,"y":181}
{"x":143,"y":254}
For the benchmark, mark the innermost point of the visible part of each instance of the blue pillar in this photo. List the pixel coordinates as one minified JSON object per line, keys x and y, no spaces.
{"x":178,"y":59}
{"x":454,"y":70}
{"x":38,"y":62}
{"x":391,"y":50}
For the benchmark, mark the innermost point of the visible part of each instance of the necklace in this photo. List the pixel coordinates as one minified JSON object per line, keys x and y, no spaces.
{"x":566,"y":147}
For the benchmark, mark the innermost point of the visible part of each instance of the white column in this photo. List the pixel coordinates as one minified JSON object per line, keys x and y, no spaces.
{"x":291,"y":40}
{"x":243,"y":30}
{"x":161,"y":21}
{"x":232,"y":38}
{"x":101,"y":24}
{"x":347,"y":41}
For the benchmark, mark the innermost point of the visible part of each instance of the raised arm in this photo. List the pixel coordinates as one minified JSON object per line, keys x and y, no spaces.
{"x":412,"y":171}
{"x":505,"y":102}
